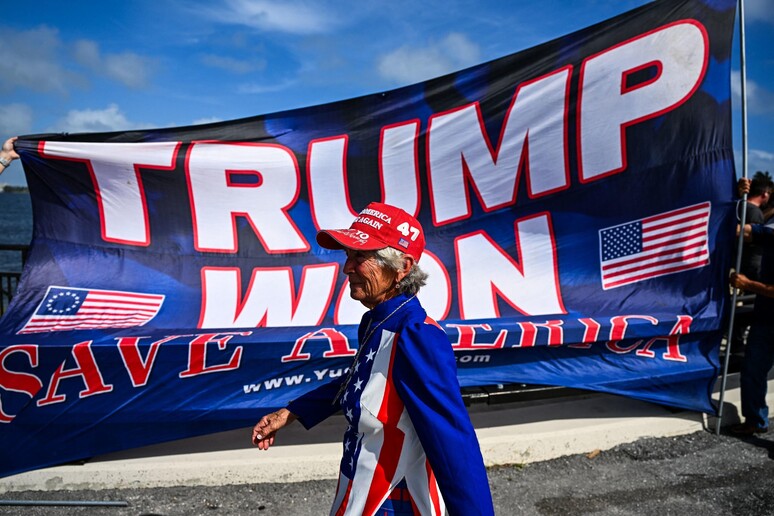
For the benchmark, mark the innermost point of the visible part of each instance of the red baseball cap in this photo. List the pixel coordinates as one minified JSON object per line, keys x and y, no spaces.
{"x":378,"y":226}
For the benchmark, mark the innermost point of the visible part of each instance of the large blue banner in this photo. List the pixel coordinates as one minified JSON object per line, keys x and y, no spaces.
{"x":577,"y":202}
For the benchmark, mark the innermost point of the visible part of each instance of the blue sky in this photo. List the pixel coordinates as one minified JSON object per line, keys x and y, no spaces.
{"x":112,"y":65}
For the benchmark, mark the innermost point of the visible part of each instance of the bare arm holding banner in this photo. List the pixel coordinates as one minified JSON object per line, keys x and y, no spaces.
{"x":7,"y":154}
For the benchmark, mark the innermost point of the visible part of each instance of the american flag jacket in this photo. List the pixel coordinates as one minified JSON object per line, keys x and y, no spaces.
{"x":407,"y":420}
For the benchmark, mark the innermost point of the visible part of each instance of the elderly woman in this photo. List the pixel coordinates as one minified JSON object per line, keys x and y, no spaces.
{"x":409,"y":447}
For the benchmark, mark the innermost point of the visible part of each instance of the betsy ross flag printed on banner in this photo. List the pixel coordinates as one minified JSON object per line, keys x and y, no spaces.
{"x":65,"y":308}
{"x":666,"y":243}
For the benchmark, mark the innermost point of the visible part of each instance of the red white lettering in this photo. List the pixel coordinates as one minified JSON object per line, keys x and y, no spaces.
{"x":529,"y":332}
{"x":436,"y":296}
{"x":270,"y":299}
{"x":115,"y":173}
{"x":466,"y":339}
{"x":197,"y":354}
{"x":337,"y":342}
{"x":618,"y":325}
{"x":86,"y":368}
{"x":621,"y":86}
{"x":683,"y":325}
{"x":399,"y":165}
{"x":139,"y":369}
{"x":533,"y":138}
{"x":530,"y":285}
{"x":616,"y":347}
{"x":17,"y":381}
{"x":678,"y":52}
{"x":216,"y":201}
{"x":329,"y":196}
{"x":590,"y":334}
{"x":328,"y":186}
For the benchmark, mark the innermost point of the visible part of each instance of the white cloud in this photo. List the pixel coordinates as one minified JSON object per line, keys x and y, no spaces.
{"x":759,"y":99}
{"x":29,"y":59}
{"x":256,"y":89}
{"x":86,"y":52}
{"x":230,"y":64}
{"x":760,"y":160}
{"x":17,"y":119}
{"x":409,"y":65}
{"x":128,"y":68}
{"x":289,"y":16}
{"x":34,"y":59}
{"x":759,"y":10}
{"x":95,"y":120}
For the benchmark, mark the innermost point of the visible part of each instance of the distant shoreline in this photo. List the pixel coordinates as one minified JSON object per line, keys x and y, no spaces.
{"x":13,"y":189}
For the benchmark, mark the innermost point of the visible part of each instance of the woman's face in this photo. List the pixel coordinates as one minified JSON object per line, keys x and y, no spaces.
{"x":369,"y":282}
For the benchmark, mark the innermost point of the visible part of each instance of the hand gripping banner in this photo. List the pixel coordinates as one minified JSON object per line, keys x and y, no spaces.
{"x":577,"y":203}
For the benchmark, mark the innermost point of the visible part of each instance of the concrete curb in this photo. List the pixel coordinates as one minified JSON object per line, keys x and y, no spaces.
{"x":510,"y":433}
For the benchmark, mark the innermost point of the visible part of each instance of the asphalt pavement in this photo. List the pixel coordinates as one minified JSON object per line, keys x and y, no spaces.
{"x":698,"y":473}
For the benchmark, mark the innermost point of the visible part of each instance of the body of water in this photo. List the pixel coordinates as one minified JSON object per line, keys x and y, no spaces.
{"x":15,"y":227}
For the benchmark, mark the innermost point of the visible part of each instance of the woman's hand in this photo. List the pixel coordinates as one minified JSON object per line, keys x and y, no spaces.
{"x":265,"y":430}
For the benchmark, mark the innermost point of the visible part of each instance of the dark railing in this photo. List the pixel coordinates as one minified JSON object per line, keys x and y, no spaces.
{"x":9,"y":281}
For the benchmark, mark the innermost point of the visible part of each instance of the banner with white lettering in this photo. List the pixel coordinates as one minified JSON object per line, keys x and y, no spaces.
{"x":577,"y":202}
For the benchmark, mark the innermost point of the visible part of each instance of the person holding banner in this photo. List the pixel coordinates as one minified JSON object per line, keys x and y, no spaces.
{"x":409,"y":447}
{"x":759,"y":351}
{"x":7,"y":154}
{"x":757,"y":200}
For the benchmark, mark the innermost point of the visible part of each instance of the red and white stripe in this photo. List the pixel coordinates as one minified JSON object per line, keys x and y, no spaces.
{"x":100,"y":309}
{"x":672,"y":242}
{"x":390,"y":448}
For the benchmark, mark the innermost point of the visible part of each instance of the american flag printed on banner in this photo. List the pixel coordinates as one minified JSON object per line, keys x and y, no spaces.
{"x":670,"y":242}
{"x":65,"y":308}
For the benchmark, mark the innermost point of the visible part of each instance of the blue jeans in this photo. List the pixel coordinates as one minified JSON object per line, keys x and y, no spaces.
{"x":758,"y":360}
